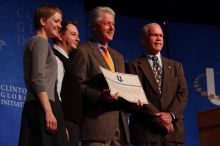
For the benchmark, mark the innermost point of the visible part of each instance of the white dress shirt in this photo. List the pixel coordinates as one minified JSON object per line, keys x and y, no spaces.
{"x":151,"y":61}
{"x":60,"y":69}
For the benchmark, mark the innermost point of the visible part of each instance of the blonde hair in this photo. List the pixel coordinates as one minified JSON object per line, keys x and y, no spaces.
{"x":45,"y":12}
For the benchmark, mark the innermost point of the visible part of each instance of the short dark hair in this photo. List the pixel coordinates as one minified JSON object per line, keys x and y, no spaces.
{"x":44,"y":11}
{"x":65,"y":23}
{"x":64,"y":28}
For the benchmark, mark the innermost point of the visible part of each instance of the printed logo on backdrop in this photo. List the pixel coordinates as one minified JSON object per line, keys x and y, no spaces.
{"x":24,"y":25}
{"x":2,"y":43}
{"x":211,"y":77}
{"x":12,"y":96}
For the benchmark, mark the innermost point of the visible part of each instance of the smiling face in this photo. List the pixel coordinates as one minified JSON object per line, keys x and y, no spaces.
{"x":52,"y":25}
{"x":105,"y":29}
{"x":153,"y":41}
{"x":71,"y":37}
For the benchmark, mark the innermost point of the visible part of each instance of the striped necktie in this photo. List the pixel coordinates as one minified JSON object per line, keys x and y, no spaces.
{"x":157,"y":71}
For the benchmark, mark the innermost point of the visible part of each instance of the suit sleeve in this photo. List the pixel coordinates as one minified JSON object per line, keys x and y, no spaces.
{"x":180,"y":100}
{"x":80,"y":63}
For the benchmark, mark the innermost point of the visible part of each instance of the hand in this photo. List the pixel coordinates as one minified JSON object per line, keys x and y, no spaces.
{"x":140,"y":103}
{"x":168,"y":127}
{"x":165,"y":117}
{"x":51,"y":122}
{"x":105,"y":95}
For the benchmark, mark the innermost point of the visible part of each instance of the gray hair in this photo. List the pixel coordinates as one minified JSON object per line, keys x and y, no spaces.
{"x":96,"y":14}
{"x":145,"y":28}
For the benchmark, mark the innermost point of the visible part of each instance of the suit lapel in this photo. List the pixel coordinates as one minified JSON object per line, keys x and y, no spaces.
{"x":115,"y":60}
{"x":98,"y":55}
{"x":148,"y":72}
{"x":167,"y":68}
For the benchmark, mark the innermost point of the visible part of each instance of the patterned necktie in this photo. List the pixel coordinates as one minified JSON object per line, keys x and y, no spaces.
{"x":157,"y":71}
{"x":108,"y":58}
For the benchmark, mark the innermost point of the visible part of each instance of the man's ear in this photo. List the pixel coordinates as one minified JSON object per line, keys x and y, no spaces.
{"x":93,"y":28}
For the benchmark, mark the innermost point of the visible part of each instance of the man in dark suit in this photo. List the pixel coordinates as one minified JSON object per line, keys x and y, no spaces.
{"x":67,"y":84}
{"x":160,"y":123}
{"x":104,"y":123}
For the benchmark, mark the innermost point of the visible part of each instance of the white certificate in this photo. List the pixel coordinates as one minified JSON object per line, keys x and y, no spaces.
{"x":128,"y":86}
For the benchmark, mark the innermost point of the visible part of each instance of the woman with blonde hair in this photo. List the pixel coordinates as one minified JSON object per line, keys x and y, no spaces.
{"x":42,"y":121}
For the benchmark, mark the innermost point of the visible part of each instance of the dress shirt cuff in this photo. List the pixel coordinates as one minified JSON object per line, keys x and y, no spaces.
{"x":174,"y":119}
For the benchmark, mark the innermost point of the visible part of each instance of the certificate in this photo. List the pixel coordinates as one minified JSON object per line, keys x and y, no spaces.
{"x":128,"y":86}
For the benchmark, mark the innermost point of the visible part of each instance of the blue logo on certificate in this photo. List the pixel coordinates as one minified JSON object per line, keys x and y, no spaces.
{"x":119,"y":78}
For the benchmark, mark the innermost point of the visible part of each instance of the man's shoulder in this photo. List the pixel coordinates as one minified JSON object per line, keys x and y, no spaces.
{"x":90,"y":43}
{"x":116,"y":52}
{"x":84,"y":44}
{"x":136,"y":60}
{"x":169,"y":60}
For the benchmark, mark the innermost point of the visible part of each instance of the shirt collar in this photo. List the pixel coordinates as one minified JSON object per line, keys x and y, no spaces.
{"x":58,"y":48}
{"x":158,"y":55}
{"x":99,"y":45}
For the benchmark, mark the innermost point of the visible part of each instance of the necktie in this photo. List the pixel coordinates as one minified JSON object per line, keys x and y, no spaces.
{"x":157,"y":71}
{"x":108,"y":58}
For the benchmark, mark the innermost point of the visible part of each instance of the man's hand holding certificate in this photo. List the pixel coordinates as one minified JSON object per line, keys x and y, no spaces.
{"x":128,"y":86}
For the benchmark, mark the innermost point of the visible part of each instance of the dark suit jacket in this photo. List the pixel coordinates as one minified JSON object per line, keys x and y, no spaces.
{"x":99,"y":118}
{"x":70,"y":92}
{"x":172,"y":99}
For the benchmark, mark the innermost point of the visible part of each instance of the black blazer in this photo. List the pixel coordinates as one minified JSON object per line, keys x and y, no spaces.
{"x":70,"y":92}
